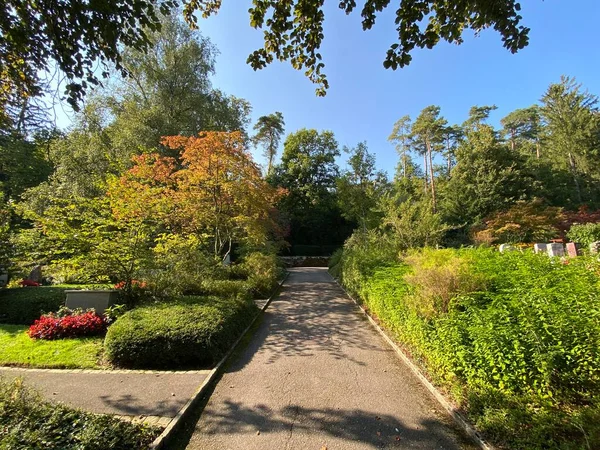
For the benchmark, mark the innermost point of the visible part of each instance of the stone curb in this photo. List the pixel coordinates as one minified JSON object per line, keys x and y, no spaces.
{"x":456,"y":416}
{"x":161,"y":441}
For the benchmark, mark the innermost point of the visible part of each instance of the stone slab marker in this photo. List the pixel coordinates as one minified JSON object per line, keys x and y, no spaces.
{"x":540,"y":248}
{"x":36,"y":274}
{"x":507,"y":248}
{"x":556,"y":249}
{"x":573,"y":249}
{"x":99,"y":300}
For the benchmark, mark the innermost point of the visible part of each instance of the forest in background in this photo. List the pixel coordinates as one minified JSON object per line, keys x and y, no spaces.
{"x":455,"y":184}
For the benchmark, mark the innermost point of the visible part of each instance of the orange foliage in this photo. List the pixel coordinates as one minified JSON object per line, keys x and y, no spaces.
{"x":218,"y":192}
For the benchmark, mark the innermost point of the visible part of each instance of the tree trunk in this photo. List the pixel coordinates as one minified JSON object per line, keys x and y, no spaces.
{"x":431,"y":177}
{"x":512,"y":140}
{"x":425,"y":172}
{"x":537,"y":149}
{"x":404,"y":162}
{"x":574,"y":172}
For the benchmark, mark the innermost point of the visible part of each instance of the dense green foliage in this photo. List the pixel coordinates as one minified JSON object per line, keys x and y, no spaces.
{"x":24,"y":305}
{"x":585,"y":234}
{"x":513,"y":337}
{"x":183,"y":333}
{"x":308,"y":174}
{"x":28,"y":422}
{"x":18,"y":349}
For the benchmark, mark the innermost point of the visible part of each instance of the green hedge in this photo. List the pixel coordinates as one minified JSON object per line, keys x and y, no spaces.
{"x":22,"y":306}
{"x":189,"y":332}
{"x":28,"y":422}
{"x":514,"y":337}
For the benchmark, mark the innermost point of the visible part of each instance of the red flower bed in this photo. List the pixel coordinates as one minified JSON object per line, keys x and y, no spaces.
{"x":53,"y":327}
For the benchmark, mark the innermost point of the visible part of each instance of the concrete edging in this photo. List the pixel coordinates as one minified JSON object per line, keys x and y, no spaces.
{"x":161,"y":441}
{"x":102,"y":371}
{"x":456,"y":416}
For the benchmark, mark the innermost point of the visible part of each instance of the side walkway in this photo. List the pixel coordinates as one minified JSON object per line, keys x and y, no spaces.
{"x":317,"y":376}
{"x":156,"y":396}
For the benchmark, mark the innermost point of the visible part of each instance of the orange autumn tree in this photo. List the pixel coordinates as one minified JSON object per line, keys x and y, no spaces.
{"x":216,"y":191}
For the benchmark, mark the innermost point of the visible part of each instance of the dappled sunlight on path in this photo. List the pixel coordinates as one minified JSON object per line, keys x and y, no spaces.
{"x":316,"y":374}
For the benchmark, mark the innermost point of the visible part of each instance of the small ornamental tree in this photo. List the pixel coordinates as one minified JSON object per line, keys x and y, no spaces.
{"x":523,"y":222}
{"x":217,"y":193}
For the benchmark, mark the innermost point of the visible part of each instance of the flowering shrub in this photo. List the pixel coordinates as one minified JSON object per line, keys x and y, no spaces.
{"x":134,"y":283}
{"x":55,"y":326}
{"x":132,"y":291}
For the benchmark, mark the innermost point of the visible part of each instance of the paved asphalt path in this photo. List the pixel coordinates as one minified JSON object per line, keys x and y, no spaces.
{"x":316,"y":375}
{"x":127,"y":393}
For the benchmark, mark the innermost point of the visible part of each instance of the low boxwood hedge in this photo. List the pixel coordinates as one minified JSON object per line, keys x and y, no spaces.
{"x":190,"y":332}
{"x":29,"y":422}
{"x":22,"y":306}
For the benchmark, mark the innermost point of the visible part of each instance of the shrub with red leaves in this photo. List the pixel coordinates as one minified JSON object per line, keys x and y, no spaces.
{"x":52,"y":326}
{"x":134,"y":284}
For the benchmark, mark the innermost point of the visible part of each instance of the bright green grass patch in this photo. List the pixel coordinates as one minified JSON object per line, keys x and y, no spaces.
{"x":18,"y":349}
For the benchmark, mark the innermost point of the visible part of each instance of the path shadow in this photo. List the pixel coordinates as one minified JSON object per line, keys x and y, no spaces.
{"x":130,"y":405}
{"x":353,"y":425}
{"x":309,"y":317}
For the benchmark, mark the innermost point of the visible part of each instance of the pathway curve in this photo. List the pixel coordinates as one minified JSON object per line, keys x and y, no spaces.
{"x":316,"y":375}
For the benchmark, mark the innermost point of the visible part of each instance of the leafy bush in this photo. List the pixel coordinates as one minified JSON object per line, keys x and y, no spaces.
{"x":262,"y":270}
{"x":522,"y":222}
{"x":584,"y":234}
{"x":29,"y":422}
{"x":58,"y":326}
{"x":514,"y":337}
{"x":25,"y":305}
{"x":227,"y":288}
{"x":438,"y":277}
{"x":363,"y":253}
{"x":335,"y":266}
{"x":411,"y":223}
{"x":179,"y":266}
{"x":188,"y":332}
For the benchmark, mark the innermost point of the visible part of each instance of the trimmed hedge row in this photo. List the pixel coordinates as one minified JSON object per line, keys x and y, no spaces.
{"x":28,"y":422}
{"x":190,"y":332}
{"x":23,"y":306}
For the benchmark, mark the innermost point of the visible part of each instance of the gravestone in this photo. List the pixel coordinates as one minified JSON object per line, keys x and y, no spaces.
{"x":595,"y":248}
{"x":36,"y":274}
{"x":573,"y":249}
{"x":507,"y":248}
{"x":556,"y":249}
{"x":98,"y":300}
{"x":540,"y":248}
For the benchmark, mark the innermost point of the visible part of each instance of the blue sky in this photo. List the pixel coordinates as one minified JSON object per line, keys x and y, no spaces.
{"x":364,"y":99}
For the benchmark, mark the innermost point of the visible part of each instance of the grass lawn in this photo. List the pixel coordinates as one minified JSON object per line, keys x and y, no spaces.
{"x":18,"y":349}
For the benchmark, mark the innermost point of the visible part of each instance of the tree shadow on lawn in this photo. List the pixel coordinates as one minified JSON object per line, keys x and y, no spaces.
{"x":12,"y":330}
